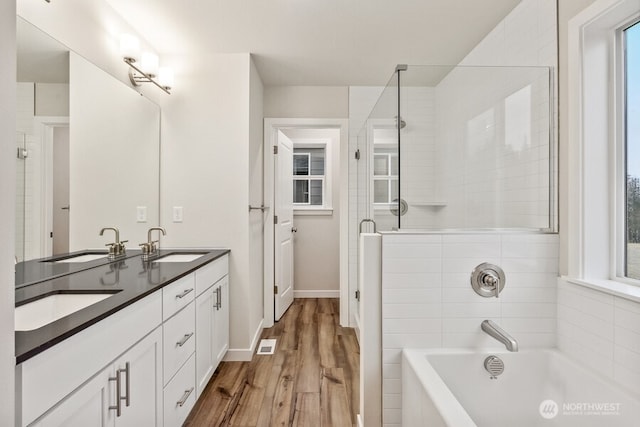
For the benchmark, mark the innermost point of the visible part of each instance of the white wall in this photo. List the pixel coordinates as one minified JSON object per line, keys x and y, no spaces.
{"x":7,"y":214}
{"x":326,"y":102}
{"x":256,"y":195}
{"x":209,"y":137}
{"x":428,"y":302}
{"x":317,"y":242}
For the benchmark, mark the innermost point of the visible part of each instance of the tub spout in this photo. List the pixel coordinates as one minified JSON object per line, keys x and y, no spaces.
{"x":500,"y":334}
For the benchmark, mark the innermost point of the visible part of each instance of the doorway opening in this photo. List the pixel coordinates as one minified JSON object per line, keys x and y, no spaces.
{"x":306,"y":188}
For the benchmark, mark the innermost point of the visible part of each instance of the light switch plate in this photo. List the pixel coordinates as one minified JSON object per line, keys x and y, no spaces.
{"x":177,"y":214}
{"x":141,"y":214}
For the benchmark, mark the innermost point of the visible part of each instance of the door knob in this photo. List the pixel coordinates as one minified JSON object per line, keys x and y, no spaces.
{"x":294,"y":229}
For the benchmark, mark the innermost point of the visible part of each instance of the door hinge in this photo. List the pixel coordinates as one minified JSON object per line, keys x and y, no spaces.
{"x":22,"y":153}
{"x":275,"y":219}
{"x":275,"y":149}
{"x":358,"y":295}
{"x":358,"y":154}
{"x":275,"y":289}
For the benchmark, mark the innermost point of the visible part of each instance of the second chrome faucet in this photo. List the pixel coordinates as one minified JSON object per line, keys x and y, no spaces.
{"x":150,"y":249}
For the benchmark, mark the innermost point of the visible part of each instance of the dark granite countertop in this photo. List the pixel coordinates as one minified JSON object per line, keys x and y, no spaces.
{"x":39,"y":270}
{"x":129,"y":280}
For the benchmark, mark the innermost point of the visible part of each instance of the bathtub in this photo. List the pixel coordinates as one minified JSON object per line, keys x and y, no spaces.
{"x":537,"y":388}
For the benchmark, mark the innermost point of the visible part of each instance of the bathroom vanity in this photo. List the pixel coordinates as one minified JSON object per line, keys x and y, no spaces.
{"x":141,"y":342}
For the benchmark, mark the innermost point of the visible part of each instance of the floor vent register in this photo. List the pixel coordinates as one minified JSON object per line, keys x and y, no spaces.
{"x":266,"y":347}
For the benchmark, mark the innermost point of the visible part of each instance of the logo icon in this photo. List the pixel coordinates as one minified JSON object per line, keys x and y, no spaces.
{"x":548,"y":409}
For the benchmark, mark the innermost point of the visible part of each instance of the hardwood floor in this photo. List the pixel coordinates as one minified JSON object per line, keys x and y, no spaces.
{"x":311,"y":380}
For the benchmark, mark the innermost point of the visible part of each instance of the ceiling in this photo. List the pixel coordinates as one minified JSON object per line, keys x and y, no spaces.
{"x":319,"y":42}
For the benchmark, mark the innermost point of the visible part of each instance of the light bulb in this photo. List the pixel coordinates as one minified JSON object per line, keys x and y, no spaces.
{"x":149,"y":64}
{"x":165,"y":77}
{"x":129,"y":47}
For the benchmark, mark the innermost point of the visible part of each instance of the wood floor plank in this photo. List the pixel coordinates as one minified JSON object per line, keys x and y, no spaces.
{"x":307,"y":410}
{"x":283,"y":400}
{"x":326,"y":339}
{"x":335,"y":408}
{"x":312,"y":379}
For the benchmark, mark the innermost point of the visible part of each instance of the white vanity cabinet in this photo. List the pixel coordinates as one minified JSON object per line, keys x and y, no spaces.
{"x":75,"y":382}
{"x":144,"y":365}
{"x":212,"y":319}
{"x":126,"y":393}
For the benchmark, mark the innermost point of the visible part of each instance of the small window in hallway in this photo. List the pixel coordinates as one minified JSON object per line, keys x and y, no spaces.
{"x":632,"y":146}
{"x":308,"y":176}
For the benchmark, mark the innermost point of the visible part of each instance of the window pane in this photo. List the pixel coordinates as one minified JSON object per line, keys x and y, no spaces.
{"x":632,"y":71}
{"x":317,"y":161}
{"x":316,"y":192}
{"x":301,"y":164}
{"x":380,"y":191}
{"x":300,"y":191}
{"x":380,"y":165}
{"x":394,"y":165}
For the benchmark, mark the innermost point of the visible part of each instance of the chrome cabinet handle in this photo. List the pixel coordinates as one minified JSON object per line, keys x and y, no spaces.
{"x":118,"y":407}
{"x":185,"y":293}
{"x":127,"y":386}
{"x":185,"y":396}
{"x":218,"y":298}
{"x":184,"y":340}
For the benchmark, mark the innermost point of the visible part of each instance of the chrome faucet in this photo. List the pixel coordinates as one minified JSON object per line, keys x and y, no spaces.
{"x":149,"y":249}
{"x":500,"y":334}
{"x":117,"y":248}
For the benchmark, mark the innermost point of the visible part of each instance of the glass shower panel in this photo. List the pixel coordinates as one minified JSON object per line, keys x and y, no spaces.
{"x":476,"y":148}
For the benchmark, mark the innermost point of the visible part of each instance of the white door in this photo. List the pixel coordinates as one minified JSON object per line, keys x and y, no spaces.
{"x":205,"y":310}
{"x":283,"y":232}
{"x":60,"y":190}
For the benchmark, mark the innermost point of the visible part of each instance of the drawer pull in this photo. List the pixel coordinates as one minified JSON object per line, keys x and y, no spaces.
{"x":118,"y":406}
{"x":184,"y":293}
{"x":186,"y":395}
{"x":218,"y":298}
{"x":119,"y":397}
{"x":184,"y":340}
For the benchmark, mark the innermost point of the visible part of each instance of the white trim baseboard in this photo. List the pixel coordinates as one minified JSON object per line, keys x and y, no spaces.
{"x":332,"y":293}
{"x":244,"y":354}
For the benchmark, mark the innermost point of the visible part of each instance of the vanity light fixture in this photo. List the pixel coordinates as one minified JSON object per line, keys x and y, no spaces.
{"x":147,"y":70}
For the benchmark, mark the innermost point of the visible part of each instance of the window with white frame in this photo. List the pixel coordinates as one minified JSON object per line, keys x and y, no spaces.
{"x":309,"y":177}
{"x":631,"y":81}
{"x":603,"y":225}
{"x":385,"y":176}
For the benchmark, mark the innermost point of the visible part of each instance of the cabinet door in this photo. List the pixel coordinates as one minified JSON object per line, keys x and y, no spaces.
{"x":88,"y":406}
{"x":205,"y":307}
{"x":144,"y":375}
{"x":221,"y":322}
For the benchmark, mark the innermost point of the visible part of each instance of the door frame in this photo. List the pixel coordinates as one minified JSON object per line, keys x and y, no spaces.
{"x":43,"y":129}
{"x":271,"y":127}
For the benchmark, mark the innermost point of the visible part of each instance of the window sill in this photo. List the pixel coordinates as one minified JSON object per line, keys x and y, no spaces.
{"x":611,"y":287}
{"x":313,"y":212}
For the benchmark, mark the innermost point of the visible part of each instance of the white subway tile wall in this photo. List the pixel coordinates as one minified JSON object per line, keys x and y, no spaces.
{"x":601,"y":331}
{"x":428,"y":302}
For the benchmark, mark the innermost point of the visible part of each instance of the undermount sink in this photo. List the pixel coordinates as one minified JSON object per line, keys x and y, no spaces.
{"x":80,"y":258}
{"x":180,"y":257}
{"x":45,"y":310}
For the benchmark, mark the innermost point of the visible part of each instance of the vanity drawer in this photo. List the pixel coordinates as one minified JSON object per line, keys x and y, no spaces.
{"x":180,"y":395}
{"x":211,"y":273}
{"x":179,"y":340}
{"x":177,"y":295}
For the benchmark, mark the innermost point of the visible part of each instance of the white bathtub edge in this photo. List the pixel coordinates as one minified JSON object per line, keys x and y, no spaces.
{"x":452,"y":412}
